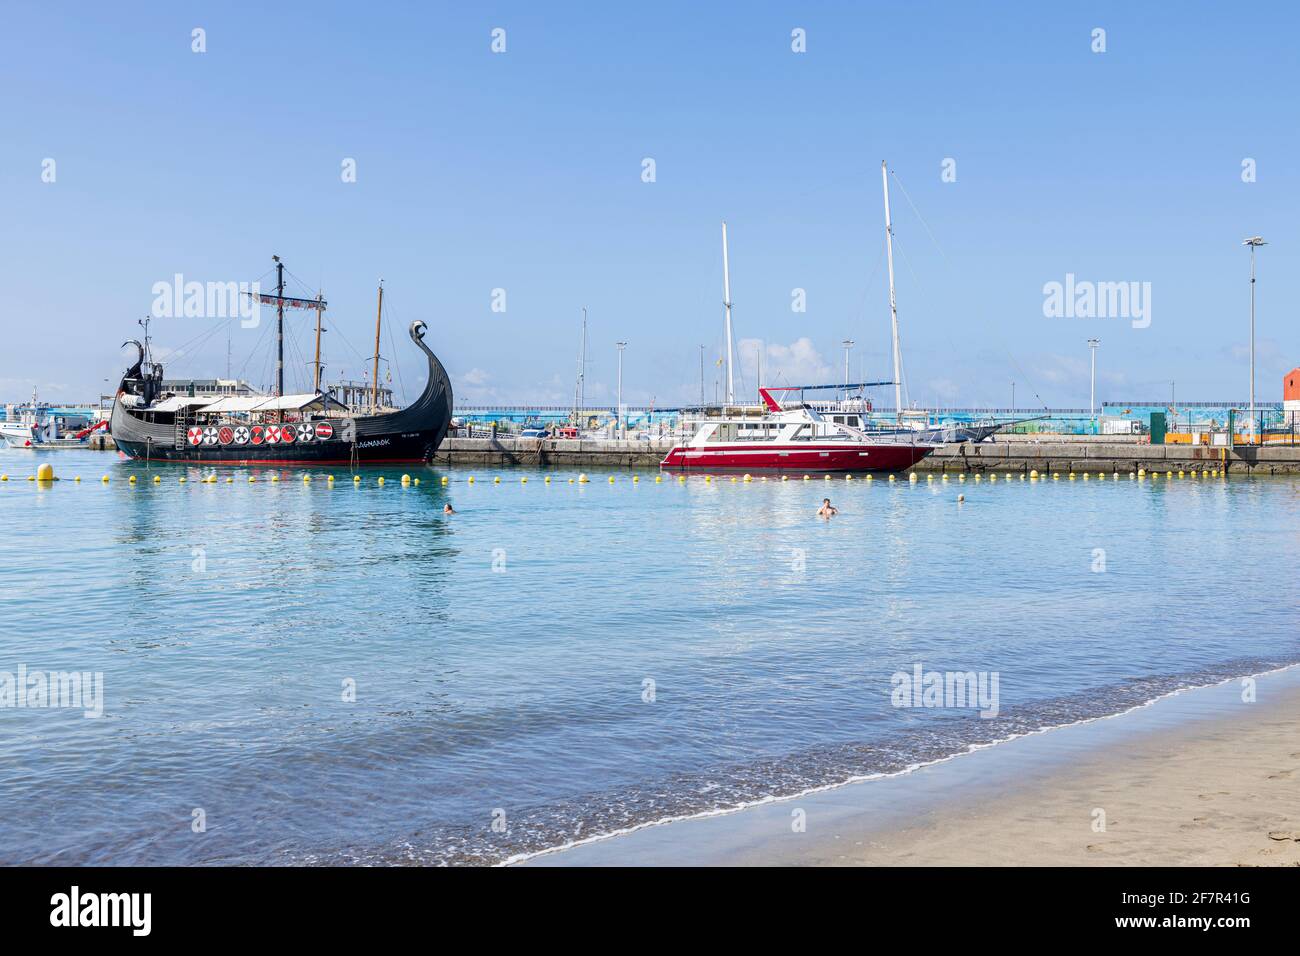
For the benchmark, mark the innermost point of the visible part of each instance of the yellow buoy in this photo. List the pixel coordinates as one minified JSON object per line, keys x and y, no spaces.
{"x":329,"y":478}
{"x":1022,"y":476}
{"x":749,"y":478}
{"x":496,"y":480}
{"x":582,"y":478}
{"x":659,"y":479}
{"x":1085,"y":476}
{"x":929,"y":477}
{"x":681,"y":479}
{"x":547,"y":480}
{"x":77,"y":479}
{"x":635,"y":479}
{"x":912,"y":477}
{"x":104,"y":479}
{"x":275,"y":477}
{"x":306,"y":479}
{"x":785,"y":477}
{"x":45,"y":472}
{"x":230,"y":480}
{"x":416,"y":481}
{"x":1072,"y":476}
{"x":1034,"y":473}
{"x":131,"y":479}
{"x":892,"y":478}
{"x":406,"y":479}
{"x":944,"y":476}
{"x":707,"y":479}
{"x":381,"y":480}
{"x":611,"y":479}
{"x":850,"y":477}
{"x":157,"y":479}
{"x":961,"y":477}
{"x":978,"y":479}
{"x":4,"y":477}
{"x":805,"y":477}
{"x":252,"y":480}
{"x":570,"y":481}
{"x":734,"y":478}
{"x":1142,"y":472}
{"x":827,"y":477}
{"x":444,"y":479}
{"x":993,"y":477}
{"x":181,"y":480}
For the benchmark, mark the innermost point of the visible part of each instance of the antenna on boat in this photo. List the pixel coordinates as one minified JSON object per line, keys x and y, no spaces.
{"x":374,"y":382}
{"x":279,"y":325}
{"x":726,"y":302}
{"x":893,"y":301}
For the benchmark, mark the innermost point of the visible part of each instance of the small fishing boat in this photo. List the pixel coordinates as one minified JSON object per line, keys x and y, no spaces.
{"x":311,"y":428}
{"x":795,"y":437}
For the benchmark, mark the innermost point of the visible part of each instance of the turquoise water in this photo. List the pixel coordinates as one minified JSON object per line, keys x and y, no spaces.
{"x":501,"y":657}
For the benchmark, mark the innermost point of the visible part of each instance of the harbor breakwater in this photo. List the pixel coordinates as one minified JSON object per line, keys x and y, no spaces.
{"x":1005,"y":454}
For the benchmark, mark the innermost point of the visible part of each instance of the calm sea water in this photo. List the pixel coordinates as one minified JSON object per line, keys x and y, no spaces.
{"x":502,"y":658}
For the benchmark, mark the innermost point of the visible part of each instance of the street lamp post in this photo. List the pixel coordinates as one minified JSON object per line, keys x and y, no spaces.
{"x":621,"y":429}
{"x":1254,"y":242}
{"x":1092,"y":389}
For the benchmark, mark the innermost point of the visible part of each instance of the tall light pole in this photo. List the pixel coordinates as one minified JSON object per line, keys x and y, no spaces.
{"x":621,"y":346}
{"x":1254,"y":242}
{"x":848,"y":344}
{"x":1092,"y":390}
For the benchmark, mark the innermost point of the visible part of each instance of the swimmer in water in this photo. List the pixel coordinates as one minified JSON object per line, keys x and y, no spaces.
{"x":447,"y":509}
{"x":826,"y":510}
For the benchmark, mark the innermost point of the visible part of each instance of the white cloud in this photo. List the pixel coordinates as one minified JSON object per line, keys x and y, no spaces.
{"x":798,"y":363}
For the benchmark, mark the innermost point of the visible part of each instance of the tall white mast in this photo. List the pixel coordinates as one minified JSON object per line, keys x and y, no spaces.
{"x":893,"y":302}
{"x":579,"y":387}
{"x":726,"y":302}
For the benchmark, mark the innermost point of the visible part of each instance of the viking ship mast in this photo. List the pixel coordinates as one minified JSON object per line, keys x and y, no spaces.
{"x":320,"y":310}
{"x":379,"y":318}
{"x":279,"y":326}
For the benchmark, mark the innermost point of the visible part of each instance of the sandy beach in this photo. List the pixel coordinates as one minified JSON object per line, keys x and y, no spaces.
{"x":1199,"y":779}
{"x":1221,"y":792}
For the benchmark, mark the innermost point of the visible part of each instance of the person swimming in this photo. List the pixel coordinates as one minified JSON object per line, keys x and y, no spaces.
{"x":827,"y":509}
{"x":447,"y":509}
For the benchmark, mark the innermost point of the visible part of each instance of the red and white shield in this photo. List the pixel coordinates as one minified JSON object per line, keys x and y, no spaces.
{"x":194,"y":435}
{"x":257,"y":434}
{"x":209,"y":436}
{"x":287,"y":434}
{"x":324,"y":430}
{"x":225,"y":434}
{"x":305,"y":432}
{"x":271,"y":434}
{"x":241,"y":435}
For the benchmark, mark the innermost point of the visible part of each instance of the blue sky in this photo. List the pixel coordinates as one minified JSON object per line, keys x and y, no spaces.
{"x":522,"y":171}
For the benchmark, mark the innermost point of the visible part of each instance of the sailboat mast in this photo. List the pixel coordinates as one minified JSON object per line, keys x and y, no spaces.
{"x":579,"y":385}
{"x":726,"y":302}
{"x":319,"y":311}
{"x":379,"y":318}
{"x":279,"y":326}
{"x":893,"y":301}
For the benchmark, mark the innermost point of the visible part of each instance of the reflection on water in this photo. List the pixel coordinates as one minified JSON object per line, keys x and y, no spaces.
{"x":501,"y":657}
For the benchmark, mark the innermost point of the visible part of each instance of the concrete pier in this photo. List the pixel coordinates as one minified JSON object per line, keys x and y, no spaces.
{"x":1015,"y":453}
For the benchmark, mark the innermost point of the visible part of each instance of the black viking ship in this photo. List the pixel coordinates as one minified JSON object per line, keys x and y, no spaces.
{"x":308,"y":429}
